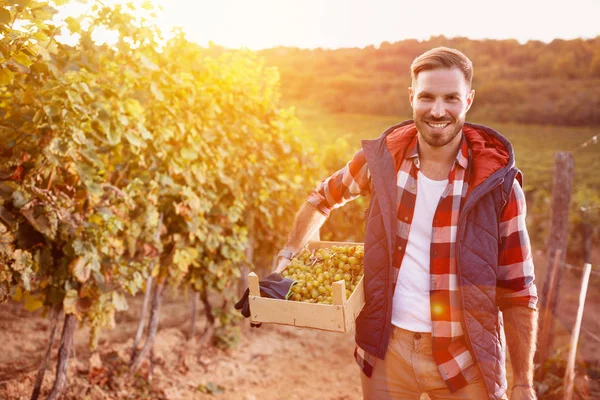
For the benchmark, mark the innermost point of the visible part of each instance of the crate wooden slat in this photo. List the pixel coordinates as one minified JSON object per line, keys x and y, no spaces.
{"x":339,"y":317}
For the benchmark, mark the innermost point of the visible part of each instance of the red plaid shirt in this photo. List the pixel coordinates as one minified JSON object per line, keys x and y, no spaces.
{"x":515,"y":265}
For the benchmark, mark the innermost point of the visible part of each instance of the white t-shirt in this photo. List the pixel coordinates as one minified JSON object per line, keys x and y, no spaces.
{"x":411,"y":305}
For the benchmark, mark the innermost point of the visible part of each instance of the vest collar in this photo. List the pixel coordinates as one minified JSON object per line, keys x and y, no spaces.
{"x":489,"y":151}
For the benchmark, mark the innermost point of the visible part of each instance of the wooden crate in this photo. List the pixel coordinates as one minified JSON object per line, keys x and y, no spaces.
{"x":339,"y":317}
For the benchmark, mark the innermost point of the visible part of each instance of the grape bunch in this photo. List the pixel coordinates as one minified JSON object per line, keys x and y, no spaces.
{"x":315,"y":272}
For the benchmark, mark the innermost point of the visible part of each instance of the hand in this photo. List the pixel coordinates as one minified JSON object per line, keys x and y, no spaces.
{"x":522,"y":393}
{"x":282,"y":263}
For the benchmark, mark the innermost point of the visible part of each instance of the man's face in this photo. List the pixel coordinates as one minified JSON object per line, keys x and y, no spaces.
{"x":440,"y":99}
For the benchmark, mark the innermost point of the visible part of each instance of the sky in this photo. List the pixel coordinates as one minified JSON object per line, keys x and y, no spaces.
{"x":258,"y":24}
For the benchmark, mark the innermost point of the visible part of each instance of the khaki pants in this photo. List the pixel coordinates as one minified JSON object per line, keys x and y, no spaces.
{"x":410,"y":370}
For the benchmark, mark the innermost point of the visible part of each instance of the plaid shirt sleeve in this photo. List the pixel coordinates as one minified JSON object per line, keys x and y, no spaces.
{"x":344,"y":185}
{"x":515,"y":282}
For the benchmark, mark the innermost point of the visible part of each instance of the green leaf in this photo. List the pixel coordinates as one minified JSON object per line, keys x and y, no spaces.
{"x":6,"y":76}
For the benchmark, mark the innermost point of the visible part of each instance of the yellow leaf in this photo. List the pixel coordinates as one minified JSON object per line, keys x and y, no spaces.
{"x":96,"y":219}
{"x":70,"y":302}
{"x":119,"y":301}
{"x":23,"y":59}
{"x":5,"y":16}
{"x":6,"y":76}
{"x":32,"y":303}
{"x":155,"y":270}
{"x":18,"y":296}
{"x":80,"y":268}
{"x":73,"y":24}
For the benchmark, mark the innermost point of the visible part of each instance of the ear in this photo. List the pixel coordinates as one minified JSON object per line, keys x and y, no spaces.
{"x":470,"y":99}
{"x":411,"y":95}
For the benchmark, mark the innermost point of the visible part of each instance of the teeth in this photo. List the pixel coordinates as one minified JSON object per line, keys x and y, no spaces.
{"x":439,"y":126}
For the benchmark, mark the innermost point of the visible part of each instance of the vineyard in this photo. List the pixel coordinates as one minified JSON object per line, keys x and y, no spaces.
{"x":135,"y":165}
{"x":141,"y":178}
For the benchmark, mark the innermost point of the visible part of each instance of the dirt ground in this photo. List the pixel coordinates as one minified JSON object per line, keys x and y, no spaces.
{"x":272,"y":362}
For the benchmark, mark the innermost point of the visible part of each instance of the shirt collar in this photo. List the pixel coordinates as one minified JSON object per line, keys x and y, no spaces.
{"x":462,"y":156}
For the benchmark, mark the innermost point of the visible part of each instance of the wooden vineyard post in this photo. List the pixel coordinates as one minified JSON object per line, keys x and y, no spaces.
{"x":587,"y":231}
{"x":570,"y":372}
{"x":547,"y":326}
{"x":557,"y":240}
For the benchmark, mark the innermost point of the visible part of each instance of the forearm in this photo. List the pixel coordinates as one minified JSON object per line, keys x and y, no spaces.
{"x":520,"y":326}
{"x":308,"y":221}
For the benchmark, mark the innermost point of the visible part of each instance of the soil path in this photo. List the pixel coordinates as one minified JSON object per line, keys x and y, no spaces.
{"x":271,"y":362}
{"x":268,"y":363}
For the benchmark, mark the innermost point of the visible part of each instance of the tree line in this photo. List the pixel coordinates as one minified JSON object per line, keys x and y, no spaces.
{"x":535,"y":82}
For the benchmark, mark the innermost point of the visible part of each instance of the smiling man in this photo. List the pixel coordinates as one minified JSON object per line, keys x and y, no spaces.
{"x":448,"y":264}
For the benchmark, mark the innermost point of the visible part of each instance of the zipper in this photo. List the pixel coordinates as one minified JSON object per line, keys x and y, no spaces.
{"x":458,"y":268}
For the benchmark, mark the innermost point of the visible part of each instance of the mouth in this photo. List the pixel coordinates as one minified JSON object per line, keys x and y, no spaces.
{"x":441,"y":125}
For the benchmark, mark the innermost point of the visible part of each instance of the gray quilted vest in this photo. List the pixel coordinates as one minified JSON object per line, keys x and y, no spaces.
{"x":477,"y":261}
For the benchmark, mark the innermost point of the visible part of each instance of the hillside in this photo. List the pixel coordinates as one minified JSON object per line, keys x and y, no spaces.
{"x":555,"y":83}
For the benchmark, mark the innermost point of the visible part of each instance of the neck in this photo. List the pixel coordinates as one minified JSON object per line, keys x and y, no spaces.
{"x":439,"y":155}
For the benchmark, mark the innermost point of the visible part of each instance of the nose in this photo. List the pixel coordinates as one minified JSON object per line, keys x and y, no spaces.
{"x":438,"y":110}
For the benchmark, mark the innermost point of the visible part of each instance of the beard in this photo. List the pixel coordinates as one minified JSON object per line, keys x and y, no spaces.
{"x":438,"y":137}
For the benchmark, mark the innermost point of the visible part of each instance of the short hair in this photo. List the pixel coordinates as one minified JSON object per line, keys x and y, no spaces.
{"x":442,"y":57}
